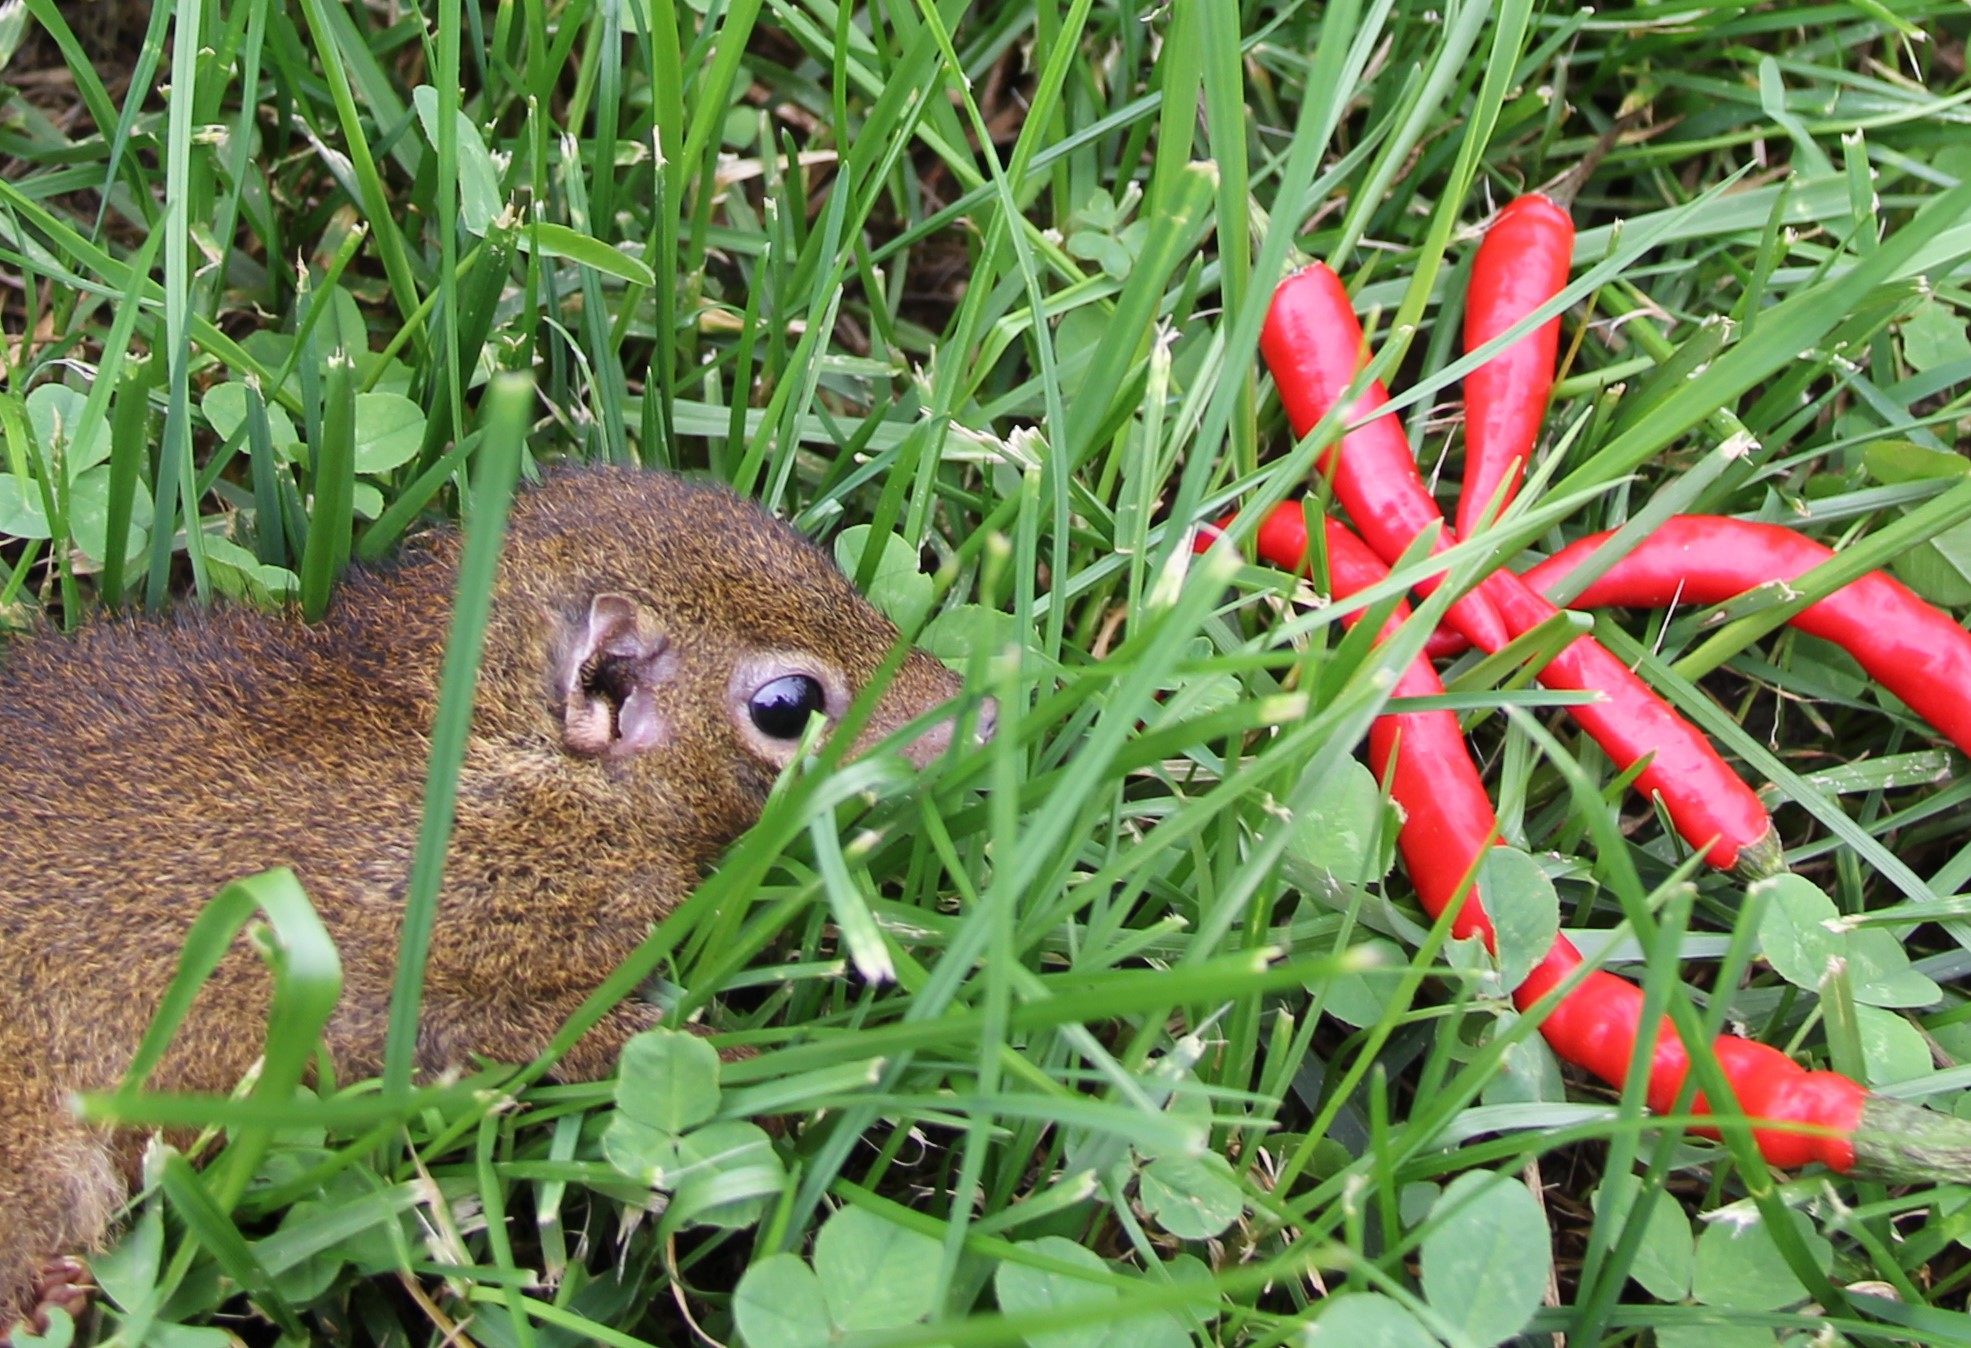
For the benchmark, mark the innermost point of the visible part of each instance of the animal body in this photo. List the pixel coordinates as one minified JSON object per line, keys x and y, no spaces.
{"x":654,"y":653}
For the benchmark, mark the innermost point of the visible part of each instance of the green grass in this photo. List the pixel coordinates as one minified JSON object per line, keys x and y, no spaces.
{"x":1166,"y":1029}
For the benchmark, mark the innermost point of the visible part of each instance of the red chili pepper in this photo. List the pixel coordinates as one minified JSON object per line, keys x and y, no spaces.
{"x":1522,"y":263}
{"x":1598,"y":1025}
{"x":1444,"y":644}
{"x":1313,"y":344}
{"x":1707,"y":802}
{"x":1448,"y":821}
{"x":1433,"y":763}
{"x":1912,"y":648}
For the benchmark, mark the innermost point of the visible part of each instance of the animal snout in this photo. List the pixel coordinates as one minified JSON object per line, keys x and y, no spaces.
{"x":932,"y":744}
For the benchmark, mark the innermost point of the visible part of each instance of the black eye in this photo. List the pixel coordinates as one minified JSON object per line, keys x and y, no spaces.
{"x":781,"y":709}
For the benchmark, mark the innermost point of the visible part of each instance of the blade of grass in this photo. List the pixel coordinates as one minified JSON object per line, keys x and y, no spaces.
{"x":332,"y":486}
{"x":508,"y":414}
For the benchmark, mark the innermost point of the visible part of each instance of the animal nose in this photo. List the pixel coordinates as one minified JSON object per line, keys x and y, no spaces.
{"x":929,"y":746}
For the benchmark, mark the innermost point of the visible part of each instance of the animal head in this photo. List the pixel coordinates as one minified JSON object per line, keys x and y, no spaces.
{"x":670,"y":627}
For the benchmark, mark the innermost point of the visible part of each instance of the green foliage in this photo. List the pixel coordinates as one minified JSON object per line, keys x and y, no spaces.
{"x":1345,"y":828}
{"x":867,"y":1274}
{"x":1063,"y":1289}
{"x":1740,"y":1264}
{"x":1483,"y":1269}
{"x":1125,"y":1029}
{"x":1525,"y":911}
{"x":716,"y":1173}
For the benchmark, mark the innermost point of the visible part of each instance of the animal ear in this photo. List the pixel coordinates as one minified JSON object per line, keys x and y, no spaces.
{"x":609,"y":677}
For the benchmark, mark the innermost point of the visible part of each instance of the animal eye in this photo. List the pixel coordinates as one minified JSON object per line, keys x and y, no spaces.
{"x":781,"y":708}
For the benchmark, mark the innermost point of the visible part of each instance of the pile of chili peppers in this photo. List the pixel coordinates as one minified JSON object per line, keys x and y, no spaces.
{"x":1313,"y":344}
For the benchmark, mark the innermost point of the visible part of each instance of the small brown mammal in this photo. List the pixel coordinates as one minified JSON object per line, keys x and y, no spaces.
{"x":654,"y":652}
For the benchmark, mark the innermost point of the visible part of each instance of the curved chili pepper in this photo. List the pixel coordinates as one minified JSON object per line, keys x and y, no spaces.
{"x":1598,"y":1024}
{"x":1909,"y":646}
{"x":1313,"y":344}
{"x":1522,"y":263}
{"x":1912,"y":648}
{"x":1432,"y":762}
{"x":1448,"y":822}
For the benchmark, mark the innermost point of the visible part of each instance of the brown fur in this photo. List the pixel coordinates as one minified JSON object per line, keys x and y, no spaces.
{"x":149,"y":762}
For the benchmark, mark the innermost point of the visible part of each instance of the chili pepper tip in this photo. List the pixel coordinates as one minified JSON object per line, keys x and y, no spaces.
{"x":1761,"y":859}
{"x":1909,"y":1144}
